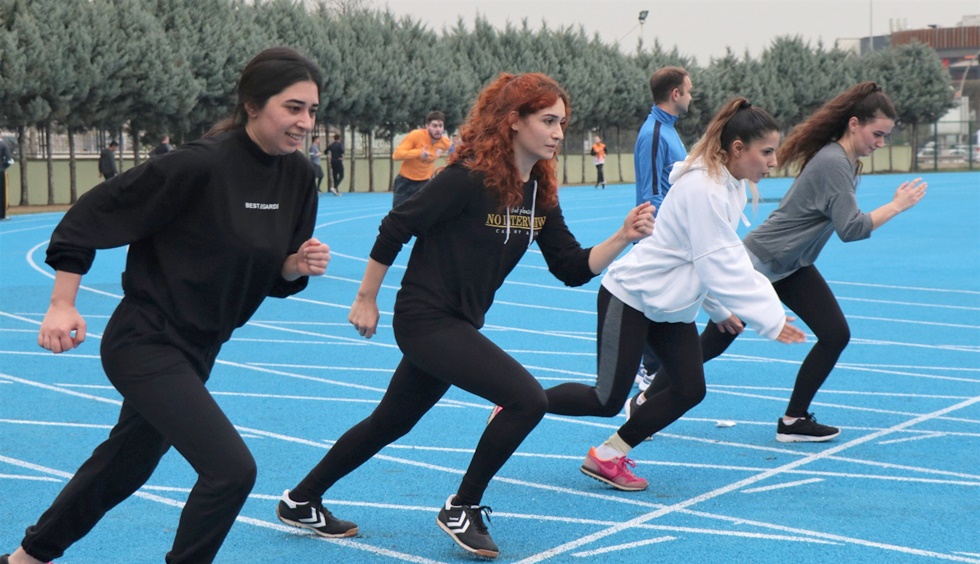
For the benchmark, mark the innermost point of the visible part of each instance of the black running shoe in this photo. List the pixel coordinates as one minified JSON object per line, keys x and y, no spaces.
{"x":805,"y":430}
{"x":465,"y":524}
{"x":313,"y":516}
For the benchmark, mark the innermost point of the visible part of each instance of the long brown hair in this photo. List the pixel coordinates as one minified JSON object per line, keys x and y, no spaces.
{"x":865,"y":101}
{"x":267,"y":74}
{"x":737,"y":119}
{"x":487,"y":139}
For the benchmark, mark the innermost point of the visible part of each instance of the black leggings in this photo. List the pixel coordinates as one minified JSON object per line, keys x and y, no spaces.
{"x":457,"y":355}
{"x":600,"y":176}
{"x":808,"y":295}
{"x":620,"y":337}
{"x":161,"y":377}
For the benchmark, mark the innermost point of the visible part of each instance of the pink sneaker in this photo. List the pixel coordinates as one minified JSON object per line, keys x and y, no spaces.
{"x":615,"y":472}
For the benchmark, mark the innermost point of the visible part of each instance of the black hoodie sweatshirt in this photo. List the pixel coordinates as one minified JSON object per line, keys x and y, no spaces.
{"x":209,"y":226}
{"x":464,"y":249}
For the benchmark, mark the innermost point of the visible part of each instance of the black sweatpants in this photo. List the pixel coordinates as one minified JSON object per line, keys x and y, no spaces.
{"x":807,"y":294}
{"x":161,"y":376}
{"x":403,"y":189}
{"x":621,"y":335}
{"x":337,"y":173}
{"x":456,"y":355}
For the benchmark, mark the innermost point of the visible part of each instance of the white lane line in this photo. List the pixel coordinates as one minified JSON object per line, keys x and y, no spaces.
{"x":569,"y":546}
{"x":909,"y":439}
{"x":626,"y":546}
{"x":783,"y":485}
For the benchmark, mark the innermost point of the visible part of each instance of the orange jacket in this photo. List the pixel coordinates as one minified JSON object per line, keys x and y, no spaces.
{"x":409,"y":151}
{"x":599,"y":151}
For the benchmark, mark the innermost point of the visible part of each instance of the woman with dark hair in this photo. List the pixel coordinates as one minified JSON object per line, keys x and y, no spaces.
{"x":472,"y":223}
{"x":827,"y":147}
{"x":652,"y":295}
{"x":213,"y":228}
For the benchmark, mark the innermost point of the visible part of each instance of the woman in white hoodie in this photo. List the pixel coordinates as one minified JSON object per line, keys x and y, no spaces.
{"x":652,"y":295}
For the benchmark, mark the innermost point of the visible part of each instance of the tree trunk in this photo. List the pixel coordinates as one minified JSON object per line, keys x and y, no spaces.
{"x":352,"y":153}
{"x":49,"y":160}
{"x":72,"y":168}
{"x":619,"y":153}
{"x":21,"y":138}
{"x":134,"y":134}
{"x":370,"y":156}
{"x":564,"y":168}
{"x":391,"y":161}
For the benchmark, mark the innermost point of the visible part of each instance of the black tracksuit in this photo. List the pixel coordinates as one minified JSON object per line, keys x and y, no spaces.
{"x":463,"y":252}
{"x":209,"y":226}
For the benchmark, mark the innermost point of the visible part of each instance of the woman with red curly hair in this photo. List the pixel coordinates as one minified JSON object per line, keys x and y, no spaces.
{"x":472,"y":223}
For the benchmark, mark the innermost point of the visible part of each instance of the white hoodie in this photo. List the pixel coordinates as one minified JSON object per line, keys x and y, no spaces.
{"x":695,"y":251}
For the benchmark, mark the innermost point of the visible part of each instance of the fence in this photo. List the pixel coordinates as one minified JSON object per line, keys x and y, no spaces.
{"x":942,"y":146}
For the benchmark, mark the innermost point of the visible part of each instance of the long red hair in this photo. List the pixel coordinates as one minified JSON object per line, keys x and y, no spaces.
{"x":487,"y":138}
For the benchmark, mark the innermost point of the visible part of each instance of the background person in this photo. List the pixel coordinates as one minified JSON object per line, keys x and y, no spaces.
{"x":657,"y":148}
{"x":336,"y":150}
{"x":822,"y":201}
{"x":107,"y":161}
{"x":163,"y":148}
{"x":314,"y":152}
{"x":244,"y":191}
{"x":498,"y":195}
{"x":599,"y":159}
{"x":418,"y":152}
{"x":6,"y":160}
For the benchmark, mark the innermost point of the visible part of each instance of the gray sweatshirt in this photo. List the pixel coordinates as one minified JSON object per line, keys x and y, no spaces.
{"x":820,"y":201}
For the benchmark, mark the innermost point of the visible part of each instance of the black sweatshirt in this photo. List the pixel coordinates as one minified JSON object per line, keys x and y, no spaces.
{"x":209,"y":226}
{"x":463,"y":252}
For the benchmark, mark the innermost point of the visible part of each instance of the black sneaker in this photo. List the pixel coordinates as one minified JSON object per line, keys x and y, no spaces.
{"x":465,"y":524}
{"x":805,"y":430}
{"x":315,"y":517}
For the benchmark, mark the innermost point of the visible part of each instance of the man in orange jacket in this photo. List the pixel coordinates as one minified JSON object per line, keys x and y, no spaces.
{"x":418,"y":153}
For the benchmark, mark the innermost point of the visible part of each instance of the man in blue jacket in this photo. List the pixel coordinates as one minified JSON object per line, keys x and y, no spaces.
{"x":657,"y":148}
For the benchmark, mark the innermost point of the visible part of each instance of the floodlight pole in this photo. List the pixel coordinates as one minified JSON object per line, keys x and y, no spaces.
{"x":643,"y":18}
{"x":871,"y":25}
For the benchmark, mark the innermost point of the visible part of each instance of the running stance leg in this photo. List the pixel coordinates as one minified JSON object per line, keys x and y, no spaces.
{"x":165,"y":403}
{"x":679,"y":350}
{"x":117,"y":468}
{"x":808,"y":295}
{"x":619,"y":340}
{"x":676,"y":344}
{"x":431,"y":364}
{"x":713,"y":343}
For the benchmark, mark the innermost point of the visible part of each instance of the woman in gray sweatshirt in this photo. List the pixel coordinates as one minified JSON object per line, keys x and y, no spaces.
{"x":827,"y":148}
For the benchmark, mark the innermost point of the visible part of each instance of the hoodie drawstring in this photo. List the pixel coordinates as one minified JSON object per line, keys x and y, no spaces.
{"x":530,"y":225}
{"x":530,"y":237}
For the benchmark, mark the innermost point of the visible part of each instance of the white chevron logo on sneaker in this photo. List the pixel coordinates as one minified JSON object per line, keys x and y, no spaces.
{"x":458,"y":525}
{"x":314,"y":519}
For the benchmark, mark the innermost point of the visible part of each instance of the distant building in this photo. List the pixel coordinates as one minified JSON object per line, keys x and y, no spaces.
{"x":958,"y":47}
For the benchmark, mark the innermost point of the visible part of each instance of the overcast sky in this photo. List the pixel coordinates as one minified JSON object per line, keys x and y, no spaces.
{"x":699,"y":28}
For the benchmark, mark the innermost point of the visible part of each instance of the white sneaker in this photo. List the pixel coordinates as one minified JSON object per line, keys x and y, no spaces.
{"x":643,"y":379}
